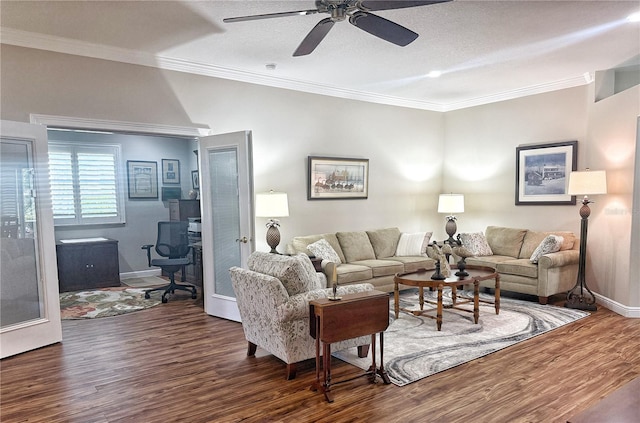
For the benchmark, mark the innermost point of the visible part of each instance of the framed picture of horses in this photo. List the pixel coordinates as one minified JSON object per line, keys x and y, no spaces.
{"x":336,"y":178}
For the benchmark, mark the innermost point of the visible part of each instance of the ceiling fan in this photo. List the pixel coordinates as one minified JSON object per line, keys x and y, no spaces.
{"x":359,"y":16}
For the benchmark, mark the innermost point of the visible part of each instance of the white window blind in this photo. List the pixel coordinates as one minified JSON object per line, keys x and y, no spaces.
{"x":86,"y":186}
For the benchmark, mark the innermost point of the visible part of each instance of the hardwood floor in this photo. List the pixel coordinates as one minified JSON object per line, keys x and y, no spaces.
{"x":175,"y":363}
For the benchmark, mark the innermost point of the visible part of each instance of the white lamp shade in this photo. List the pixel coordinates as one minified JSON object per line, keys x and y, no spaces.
{"x":588,"y":182}
{"x":451,"y":203}
{"x":272,"y":204}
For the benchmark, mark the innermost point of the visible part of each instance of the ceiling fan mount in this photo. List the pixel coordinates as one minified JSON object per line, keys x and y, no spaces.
{"x":359,"y":13}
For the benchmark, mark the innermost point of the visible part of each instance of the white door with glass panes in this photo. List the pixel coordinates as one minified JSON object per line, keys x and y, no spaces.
{"x":226,"y":194}
{"x":29,"y":301}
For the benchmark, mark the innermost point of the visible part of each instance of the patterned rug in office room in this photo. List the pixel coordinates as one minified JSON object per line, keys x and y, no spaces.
{"x":105,"y":302}
{"x":414,"y":349}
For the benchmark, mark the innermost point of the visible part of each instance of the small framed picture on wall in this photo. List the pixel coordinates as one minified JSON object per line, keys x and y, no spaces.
{"x":170,"y":171}
{"x":195,"y":179}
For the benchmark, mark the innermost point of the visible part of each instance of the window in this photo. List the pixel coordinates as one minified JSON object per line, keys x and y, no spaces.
{"x":86,"y":184}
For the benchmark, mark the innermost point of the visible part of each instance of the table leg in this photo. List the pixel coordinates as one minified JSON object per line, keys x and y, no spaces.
{"x":326,"y":386}
{"x":396,"y":297}
{"x":382,"y":372}
{"x":421,"y":297}
{"x":316,"y":384}
{"x":454,"y":294}
{"x":372,"y":370}
{"x":439,"y":310}
{"x":476,"y":301}
{"x":497,"y":294}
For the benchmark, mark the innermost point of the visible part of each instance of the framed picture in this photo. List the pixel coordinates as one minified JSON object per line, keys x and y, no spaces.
{"x":542,"y":173}
{"x":331,"y":178}
{"x":195,"y":179}
{"x":142,"y":179}
{"x":170,"y":171}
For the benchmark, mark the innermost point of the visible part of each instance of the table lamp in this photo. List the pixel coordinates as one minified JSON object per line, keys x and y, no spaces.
{"x":584,"y":183}
{"x":272,"y":205}
{"x":450,"y":204}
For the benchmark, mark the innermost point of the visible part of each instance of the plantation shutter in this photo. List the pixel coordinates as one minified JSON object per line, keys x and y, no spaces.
{"x":86,"y":184}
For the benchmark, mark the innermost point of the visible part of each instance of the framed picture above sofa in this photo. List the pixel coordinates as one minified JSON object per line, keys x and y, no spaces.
{"x":331,"y":178}
{"x":542,"y":173}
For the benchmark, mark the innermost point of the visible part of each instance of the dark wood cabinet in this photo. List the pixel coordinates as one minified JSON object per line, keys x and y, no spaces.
{"x":87,"y":264}
{"x":183,"y":209}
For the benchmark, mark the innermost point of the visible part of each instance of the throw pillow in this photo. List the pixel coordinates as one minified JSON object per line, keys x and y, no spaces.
{"x":476,"y":243}
{"x":323,"y":250}
{"x":550,"y":244}
{"x":414,"y":244}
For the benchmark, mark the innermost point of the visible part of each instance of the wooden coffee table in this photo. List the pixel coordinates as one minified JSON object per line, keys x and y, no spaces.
{"x":422,"y":279}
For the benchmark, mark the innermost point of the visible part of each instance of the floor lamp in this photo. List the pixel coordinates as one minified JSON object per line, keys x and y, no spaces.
{"x":584,"y":183}
{"x":272,"y":205}
{"x":450,"y":204}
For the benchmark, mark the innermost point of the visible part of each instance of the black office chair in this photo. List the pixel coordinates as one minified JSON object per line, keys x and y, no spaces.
{"x":172,"y":243}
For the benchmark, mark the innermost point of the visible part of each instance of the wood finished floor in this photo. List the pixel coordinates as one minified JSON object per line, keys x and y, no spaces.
{"x":174,"y":363}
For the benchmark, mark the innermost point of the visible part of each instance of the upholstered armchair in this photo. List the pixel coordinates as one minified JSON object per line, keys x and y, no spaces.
{"x":273,"y":299}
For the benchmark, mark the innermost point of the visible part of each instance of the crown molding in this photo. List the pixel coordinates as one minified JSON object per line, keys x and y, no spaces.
{"x":99,"y":51}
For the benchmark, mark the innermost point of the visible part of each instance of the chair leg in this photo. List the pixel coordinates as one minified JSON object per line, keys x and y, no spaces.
{"x":171,"y":289}
{"x":251,"y":349}
{"x":363,"y":350}
{"x":291,"y":371}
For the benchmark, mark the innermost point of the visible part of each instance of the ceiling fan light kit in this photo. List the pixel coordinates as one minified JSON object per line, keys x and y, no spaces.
{"x":359,"y":16}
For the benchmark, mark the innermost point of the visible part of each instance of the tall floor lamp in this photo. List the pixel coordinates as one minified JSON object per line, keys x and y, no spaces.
{"x":584,"y":183}
{"x":272,"y":205}
{"x":450,"y":204}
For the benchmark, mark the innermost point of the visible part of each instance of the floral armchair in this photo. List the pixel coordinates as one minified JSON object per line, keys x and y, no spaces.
{"x":273,"y":299}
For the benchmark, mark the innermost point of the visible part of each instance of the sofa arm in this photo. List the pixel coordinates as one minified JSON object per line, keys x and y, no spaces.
{"x":559,"y":259}
{"x":297,"y":307}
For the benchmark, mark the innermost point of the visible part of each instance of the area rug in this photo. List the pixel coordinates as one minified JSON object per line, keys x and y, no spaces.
{"x":414,"y":349}
{"x":103,"y":303}
{"x":144,"y":282}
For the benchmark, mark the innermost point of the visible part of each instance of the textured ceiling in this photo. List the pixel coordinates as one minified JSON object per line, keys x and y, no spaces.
{"x":486,"y":50}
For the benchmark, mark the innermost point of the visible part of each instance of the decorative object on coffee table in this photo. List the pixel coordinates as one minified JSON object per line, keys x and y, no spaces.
{"x":584,"y":183}
{"x":272,"y":205}
{"x":450,"y":204}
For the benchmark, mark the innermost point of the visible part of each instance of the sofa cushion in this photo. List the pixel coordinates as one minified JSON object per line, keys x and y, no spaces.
{"x":505,"y":241}
{"x":476,"y":243}
{"x":356,"y":246}
{"x":296,"y":273}
{"x":487,"y":261}
{"x":414,"y":244}
{"x":519,"y":267}
{"x":550,"y":244}
{"x":382,"y":267}
{"x":533,"y":238}
{"x":300,"y":244}
{"x":384,"y":241}
{"x":323,"y":250}
{"x":414,"y":263}
{"x":349,"y":273}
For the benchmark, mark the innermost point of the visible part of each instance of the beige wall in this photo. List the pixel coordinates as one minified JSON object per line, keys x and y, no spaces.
{"x":414,"y":154}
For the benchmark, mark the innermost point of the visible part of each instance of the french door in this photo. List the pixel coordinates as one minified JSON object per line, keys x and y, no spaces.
{"x":30,"y":305}
{"x":226,"y":193}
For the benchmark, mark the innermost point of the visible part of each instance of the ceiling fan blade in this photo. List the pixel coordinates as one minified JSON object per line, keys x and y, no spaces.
{"x":383,"y":28}
{"x":314,"y":37}
{"x":393,"y":4}
{"x":270,"y":15}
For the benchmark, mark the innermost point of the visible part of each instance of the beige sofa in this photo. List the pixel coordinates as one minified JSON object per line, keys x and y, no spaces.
{"x":512,"y":248}
{"x":367,"y":256}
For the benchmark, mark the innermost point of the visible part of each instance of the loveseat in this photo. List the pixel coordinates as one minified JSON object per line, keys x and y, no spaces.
{"x":373,"y":256}
{"x":510,"y":252}
{"x":273,"y":299}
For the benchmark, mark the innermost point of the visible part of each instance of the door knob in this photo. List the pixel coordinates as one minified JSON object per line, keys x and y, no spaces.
{"x":243,"y":240}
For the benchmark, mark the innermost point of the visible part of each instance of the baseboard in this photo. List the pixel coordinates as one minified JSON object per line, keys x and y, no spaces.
{"x":141,"y":274}
{"x":616,"y":307}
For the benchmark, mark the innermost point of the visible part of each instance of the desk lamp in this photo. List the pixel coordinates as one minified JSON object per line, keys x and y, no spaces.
{"x":272,"y":205}
{"x":584,"y":183}
{"x":451,"y":203}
